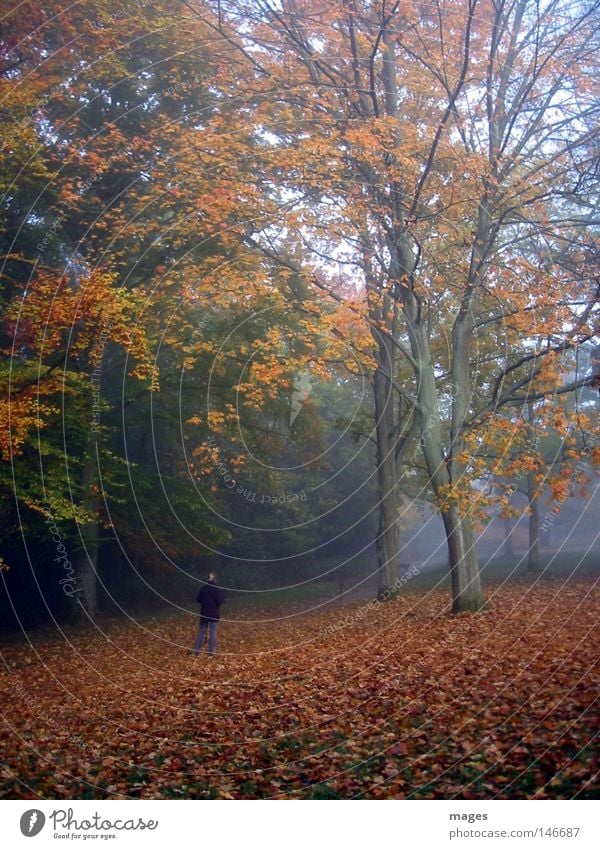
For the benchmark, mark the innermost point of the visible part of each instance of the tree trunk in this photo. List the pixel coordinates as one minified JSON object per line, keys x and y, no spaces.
{"x":387,"y":553}
{"x":471,"y":595}
{"x":86,"y":565}
{"x":341,"y":583}
{"x":462,"y":559}
{"x":387,"y":422}
{"x":507,"y":548}
{"x":387,"y":532}
{"x":533,"y":554}
{"x":87,"y":570}
{"x":464,"y":570}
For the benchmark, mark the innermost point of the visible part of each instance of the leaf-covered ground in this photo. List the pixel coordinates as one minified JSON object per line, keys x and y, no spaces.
{"x":396,"y":700}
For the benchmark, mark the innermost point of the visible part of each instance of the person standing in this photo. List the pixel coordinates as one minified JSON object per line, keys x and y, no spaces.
{"x":210,"y":598}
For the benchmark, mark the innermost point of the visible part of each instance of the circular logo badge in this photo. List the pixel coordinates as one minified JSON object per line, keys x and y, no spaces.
{"x":32,"y":822}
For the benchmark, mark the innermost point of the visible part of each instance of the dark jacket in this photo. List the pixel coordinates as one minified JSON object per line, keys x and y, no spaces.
{"x":210,"y":598}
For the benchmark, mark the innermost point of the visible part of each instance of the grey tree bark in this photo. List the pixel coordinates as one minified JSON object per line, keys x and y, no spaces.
{"x":533,"y":553}
{"x":507,"y":548}
{"x":86,"y":560}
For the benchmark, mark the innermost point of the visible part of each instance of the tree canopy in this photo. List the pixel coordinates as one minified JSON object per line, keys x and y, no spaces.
{"x":269,"y":267}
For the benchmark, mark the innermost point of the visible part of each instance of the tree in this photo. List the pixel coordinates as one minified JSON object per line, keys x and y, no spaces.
{"x":431,"y":168}
{"x":554,"y":453}
{"x":409,"y":191}
{"x":90,"y":90}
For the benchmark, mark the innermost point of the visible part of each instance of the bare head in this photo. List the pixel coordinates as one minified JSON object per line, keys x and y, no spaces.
{"x":212,"y":578}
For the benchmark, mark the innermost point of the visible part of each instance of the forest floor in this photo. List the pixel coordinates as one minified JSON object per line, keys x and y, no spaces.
{"x":366,"y":700}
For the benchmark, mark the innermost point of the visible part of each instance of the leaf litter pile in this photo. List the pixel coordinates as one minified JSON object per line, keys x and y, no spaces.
{"x":395,"y":700}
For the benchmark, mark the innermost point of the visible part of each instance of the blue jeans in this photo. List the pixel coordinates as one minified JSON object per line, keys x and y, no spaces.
{"x":211,"y":627}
